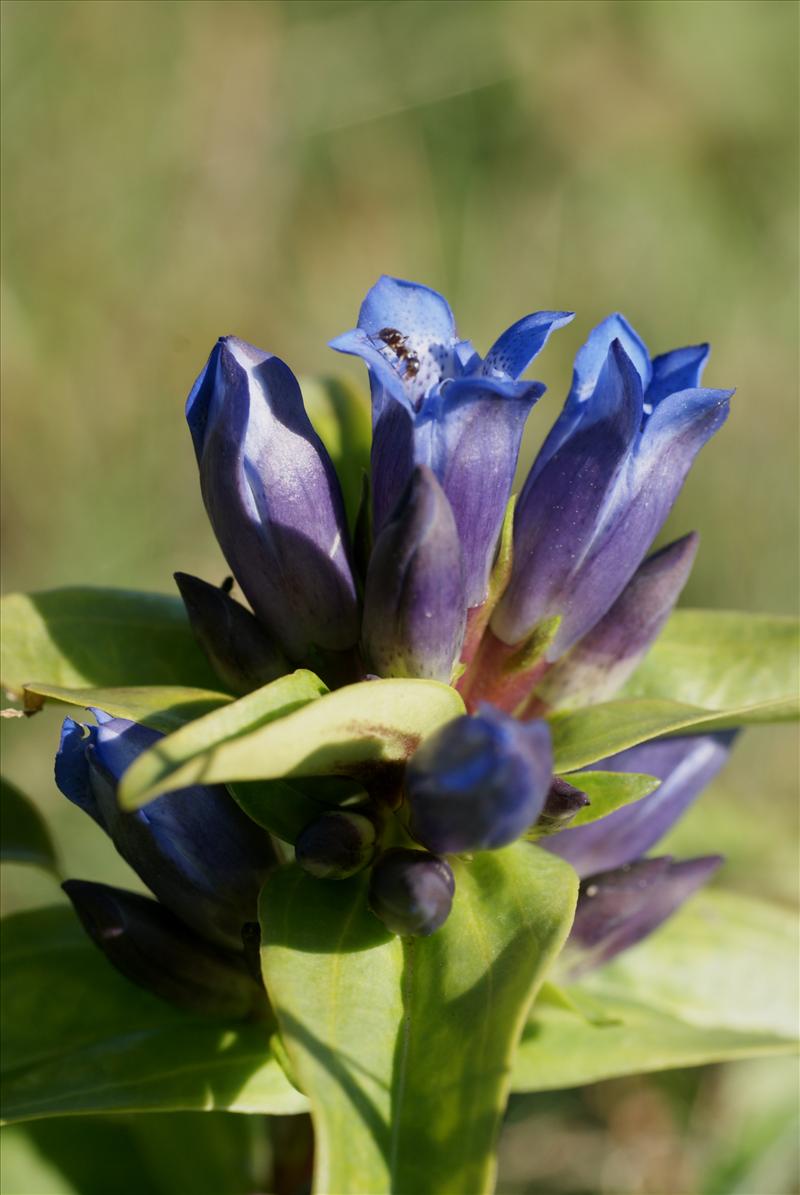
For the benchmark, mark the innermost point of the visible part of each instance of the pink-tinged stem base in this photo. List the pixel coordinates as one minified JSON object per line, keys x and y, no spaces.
{"x":501,"y":675}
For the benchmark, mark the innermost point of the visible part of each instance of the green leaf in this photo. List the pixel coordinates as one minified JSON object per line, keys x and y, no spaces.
{"x":721,"y":660}
{"x":156,"y":1153}
{"x":193,"y":749}
{"x":165,"y":707}
{"x":24,"y":837}
{"x":74,"y":638}
{"x":77,"y":1037}
{"x":347,"y":732}
{"x":342,"y":417}
{"x":582,"y":737}
{"x":717,"y":982}
{"x":404,"y":1046}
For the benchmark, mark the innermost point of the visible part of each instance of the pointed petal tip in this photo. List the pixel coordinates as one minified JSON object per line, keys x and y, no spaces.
{"x":348,"y":342}
{"x":244,"y":354}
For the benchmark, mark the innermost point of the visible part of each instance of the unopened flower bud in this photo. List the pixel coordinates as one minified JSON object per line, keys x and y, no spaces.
{"x":156,"y":951}
{"x":336,"y":845}
{"x":617,"y":909}
{"x":479,"y":782}
{"x":238,"y":648}
{"x":273,"y":499}
{"x":414,"y":604}
{"x":562,"y":804}
{"x":411,"y":892}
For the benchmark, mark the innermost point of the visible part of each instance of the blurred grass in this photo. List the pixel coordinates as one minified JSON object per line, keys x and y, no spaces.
{"x":172,"y":171}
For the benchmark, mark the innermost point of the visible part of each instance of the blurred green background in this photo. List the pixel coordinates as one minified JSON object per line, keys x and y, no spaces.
{"x":177,"y":170}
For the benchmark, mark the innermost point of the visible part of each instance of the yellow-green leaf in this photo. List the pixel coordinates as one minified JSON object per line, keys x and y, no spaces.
{"x":342,"y":733}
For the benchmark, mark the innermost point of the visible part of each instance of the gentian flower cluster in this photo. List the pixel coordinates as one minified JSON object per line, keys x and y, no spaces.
{"x":528,"y":608}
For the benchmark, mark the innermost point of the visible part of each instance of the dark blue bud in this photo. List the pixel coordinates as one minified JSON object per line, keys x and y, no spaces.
{"x":156,"y":951}
{"x":617,"y":909}
{"x":479,"y":782}
{"x":194,"y":848}
{"x":336,"y":845}
{"x":238,"y":648}
{"x":414,"y":605}
{"x":562,"y":804}
{"x":411,"y":892}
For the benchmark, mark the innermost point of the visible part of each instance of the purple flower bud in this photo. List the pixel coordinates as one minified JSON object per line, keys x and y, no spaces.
{"x":616,"y":909}
{"x":437,"y":402}
{"x":194,"y":848}
{"x":337,"y":845}
{"x":156,"y":951}
{"x":604,"y":482}
{"x":414,"y":604}
{"x":273,"y":499}
{"x":563,"y":803}
{"x":684,"y":765}
{"x":237,"y":646}
{"x":478,"y":782}
{"x":411,"y":892}
{"x":600,"y":663}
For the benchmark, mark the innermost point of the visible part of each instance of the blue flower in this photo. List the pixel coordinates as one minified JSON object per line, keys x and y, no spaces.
{"x":273,"y":499}
{"x":195,"y":849}
{"x":604,"y":482}
{"x":436,"y":402}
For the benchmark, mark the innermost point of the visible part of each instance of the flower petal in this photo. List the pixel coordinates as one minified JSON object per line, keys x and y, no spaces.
{"x":407,"y":336}
{"x":72,"y":768}
{"x":419,"y":313}
{"x":385,"y":379}
{"x":414,"y":605}
{"x":472,"y":440}
{"x":585,"y":402}
{"x":512,"y":353}
{"x":392,"y":461}
{"x":680,"y":369}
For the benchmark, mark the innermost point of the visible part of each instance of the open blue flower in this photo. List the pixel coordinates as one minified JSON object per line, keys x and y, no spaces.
{"x":604,"y":481}
{"x":437,"y":402}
